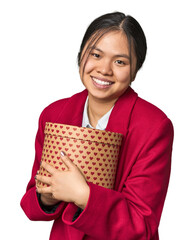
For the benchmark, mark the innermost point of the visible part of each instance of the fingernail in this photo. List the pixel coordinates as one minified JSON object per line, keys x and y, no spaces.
{"x":63,"y":154}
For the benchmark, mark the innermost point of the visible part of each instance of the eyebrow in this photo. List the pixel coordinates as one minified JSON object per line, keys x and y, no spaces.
{"x":117,"y":55}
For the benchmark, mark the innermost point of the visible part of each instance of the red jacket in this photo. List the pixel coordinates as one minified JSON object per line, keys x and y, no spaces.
{"x":133,"y":209}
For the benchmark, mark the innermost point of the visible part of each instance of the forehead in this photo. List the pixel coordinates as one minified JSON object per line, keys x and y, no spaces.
{"x":114,"y":41}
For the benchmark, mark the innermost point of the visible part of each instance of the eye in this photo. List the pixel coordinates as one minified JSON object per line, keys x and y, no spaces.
{"x":119,"y":62}
{"x":95,"y":55}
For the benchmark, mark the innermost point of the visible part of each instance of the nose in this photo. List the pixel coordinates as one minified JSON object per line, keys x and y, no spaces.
{"x":105,"y":68}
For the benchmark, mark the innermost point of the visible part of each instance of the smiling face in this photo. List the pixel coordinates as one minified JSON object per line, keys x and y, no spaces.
{"x":107,"y":70}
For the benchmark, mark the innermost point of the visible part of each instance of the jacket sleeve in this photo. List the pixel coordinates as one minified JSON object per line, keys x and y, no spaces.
{"x":30,"y":203}
{"x":133,"y":213}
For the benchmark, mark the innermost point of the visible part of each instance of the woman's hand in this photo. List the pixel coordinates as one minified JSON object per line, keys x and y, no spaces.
{"x":67,"y":186}
{"x":46,"y":198}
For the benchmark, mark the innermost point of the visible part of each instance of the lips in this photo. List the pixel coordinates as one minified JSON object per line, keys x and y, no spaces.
{"x":101,"y":82}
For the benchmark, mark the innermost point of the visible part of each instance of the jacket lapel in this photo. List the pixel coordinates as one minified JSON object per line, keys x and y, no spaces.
{"x":120,"y":117}
{"x":72,"y":112}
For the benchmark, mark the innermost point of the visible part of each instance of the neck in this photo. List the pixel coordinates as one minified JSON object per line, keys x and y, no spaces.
{"x":97,"y":109}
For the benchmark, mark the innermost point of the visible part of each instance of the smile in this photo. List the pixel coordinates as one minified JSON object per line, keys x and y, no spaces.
{"x":102,"y":82}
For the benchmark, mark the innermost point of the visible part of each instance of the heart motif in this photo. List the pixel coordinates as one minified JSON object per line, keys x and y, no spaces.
{"x":86,"y":148}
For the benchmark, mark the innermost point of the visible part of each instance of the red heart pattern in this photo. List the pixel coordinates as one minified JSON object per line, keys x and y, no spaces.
{"x":95,"y":152}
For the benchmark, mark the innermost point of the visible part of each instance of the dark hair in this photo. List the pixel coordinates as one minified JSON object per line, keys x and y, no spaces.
{"x":113,"y":22}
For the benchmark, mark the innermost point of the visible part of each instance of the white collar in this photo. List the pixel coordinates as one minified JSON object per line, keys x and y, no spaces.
{"x":102,"y":122}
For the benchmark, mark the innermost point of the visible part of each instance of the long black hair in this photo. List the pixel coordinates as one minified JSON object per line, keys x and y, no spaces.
{"x":113,"y":22}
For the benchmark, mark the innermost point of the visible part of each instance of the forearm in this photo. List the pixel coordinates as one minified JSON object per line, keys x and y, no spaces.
{"x":109,"y":215}
{"x":47,"y":208}
{"x":31,"y":206}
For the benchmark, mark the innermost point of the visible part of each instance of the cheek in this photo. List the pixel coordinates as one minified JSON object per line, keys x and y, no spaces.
{"x":89,"y":67}
{"x":87,"y":70}
{"x":123,"y":76}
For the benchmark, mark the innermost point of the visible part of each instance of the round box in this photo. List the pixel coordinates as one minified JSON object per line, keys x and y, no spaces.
{"x":95,"y":152}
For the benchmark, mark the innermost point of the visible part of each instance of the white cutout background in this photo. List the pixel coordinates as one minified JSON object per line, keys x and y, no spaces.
{"x":39,"y":41}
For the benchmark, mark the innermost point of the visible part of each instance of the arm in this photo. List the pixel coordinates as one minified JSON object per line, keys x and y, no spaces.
{"x":30,"y":203}
{"x":133,"y":213}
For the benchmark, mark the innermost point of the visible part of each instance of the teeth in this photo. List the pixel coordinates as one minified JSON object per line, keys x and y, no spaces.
{"x":101,"y":82}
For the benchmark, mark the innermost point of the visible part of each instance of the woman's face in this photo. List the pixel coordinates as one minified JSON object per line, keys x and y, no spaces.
{"x":107,"y":72}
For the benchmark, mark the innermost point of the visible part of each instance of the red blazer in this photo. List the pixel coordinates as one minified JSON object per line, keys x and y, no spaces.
{"x":133,"y":209}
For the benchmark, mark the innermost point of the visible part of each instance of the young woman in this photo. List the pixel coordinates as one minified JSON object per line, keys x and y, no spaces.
{"x":112,"y":51}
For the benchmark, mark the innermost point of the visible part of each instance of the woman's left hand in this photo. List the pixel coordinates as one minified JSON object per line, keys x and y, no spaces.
{"x":68,"y":186}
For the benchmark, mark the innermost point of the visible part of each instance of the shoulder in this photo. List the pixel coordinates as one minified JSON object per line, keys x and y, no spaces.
{"x":147,"y":118}
{"x":53,"y":111}
{"x":145,"y":110}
